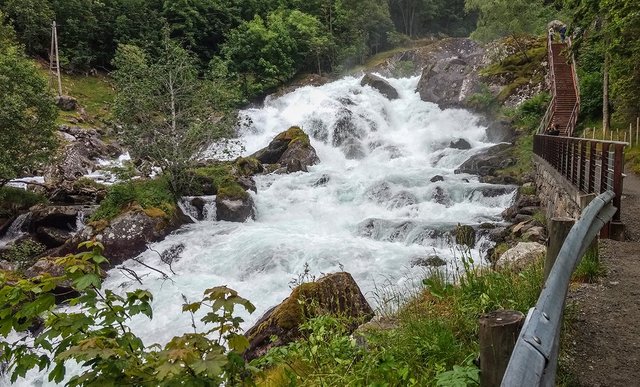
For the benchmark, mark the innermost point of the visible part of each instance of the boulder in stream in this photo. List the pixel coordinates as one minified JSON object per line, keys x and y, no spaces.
{"x":292,"y":144}
{"x":334,"y":294}
{"x":381,"y":85}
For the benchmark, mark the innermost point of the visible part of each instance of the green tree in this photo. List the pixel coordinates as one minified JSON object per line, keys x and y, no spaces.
{"x":167,"y":111}
{"x":32,"y":22}
{"x":28,"y":112}
{"x":499,"y":18}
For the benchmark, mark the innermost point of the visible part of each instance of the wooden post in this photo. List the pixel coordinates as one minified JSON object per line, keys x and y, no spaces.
{"x":558,"y":230}
{"x":498,"y":334}
{"x":637,"y":130}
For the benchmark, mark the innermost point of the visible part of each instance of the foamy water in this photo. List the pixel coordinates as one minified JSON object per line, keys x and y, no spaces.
{"x":371,"y":216}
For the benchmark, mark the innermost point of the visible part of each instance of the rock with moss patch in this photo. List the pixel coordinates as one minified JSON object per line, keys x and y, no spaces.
{"x":128,"y":234}
{"x":334,"y":294}
{"x":521,"y":255}
{"x":466,"y":236}
{"x":380,"y":84}
{"x":292,"y":144}
{"x":489,"y":161}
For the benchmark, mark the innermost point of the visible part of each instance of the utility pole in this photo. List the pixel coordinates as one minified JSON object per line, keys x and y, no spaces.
{"x":54,"y":58}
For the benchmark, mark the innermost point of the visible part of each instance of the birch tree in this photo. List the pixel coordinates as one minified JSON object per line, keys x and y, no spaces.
{"x":168,"y":112}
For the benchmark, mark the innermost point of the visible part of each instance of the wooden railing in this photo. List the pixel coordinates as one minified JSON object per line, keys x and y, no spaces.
{"x":592,"y":166}
{"x":576,"y":86}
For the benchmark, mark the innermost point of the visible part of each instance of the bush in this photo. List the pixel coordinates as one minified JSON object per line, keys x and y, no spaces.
{"x":528,"y":115}
{"x":148,"y":194}
{"x":14,"y":200}
{"x":484,"y":100}
{"x":22,"y":253}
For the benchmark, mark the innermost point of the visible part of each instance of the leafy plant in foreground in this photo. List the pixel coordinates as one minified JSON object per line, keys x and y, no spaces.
{"x":95,"y":333}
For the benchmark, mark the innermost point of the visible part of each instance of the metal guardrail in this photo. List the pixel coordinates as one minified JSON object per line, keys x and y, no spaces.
{"x":535,"y":357}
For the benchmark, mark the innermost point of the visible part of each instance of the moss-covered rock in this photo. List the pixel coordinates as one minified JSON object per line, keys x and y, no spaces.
{"x":335,"y":294}
{"x":290,"y":146}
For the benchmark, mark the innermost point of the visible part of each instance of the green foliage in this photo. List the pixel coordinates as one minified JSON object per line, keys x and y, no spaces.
{"x":148,"y":194}
{"x":95,"y":334}
{"x":221,"y":178}
{"x":13,"y":200}
{"x":483,"y":100}
{"x":431,"y":344}
{"x":590,"y":269}
{"x":423,"y":17}
{"x":501,"y":18}
{"x":27,"y":116}
{"x":528,"y":115}
{"x":23,"y":252}
{"x":166,"y":109}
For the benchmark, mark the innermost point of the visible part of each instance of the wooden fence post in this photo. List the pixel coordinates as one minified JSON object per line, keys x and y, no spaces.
{"x":558,"y":230}
{"x":498,"y":333}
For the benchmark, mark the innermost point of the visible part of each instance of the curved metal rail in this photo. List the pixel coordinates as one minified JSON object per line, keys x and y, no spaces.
{"x":535,"y":357}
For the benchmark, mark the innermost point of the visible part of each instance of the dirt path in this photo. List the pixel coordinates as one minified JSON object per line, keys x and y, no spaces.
{"x":604,"y":343}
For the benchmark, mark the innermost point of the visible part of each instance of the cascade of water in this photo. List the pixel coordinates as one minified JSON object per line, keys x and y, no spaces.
{"x":384,"y":194}
{"x":15,"y":231}
{"x":199,"y":208}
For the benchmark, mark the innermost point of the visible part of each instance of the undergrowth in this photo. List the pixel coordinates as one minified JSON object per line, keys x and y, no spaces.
{"x":148,"y":194}
{"x":433,"y":343}
{"x":14,"y":200}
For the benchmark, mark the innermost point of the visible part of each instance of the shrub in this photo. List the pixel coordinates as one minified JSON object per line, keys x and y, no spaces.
{"x":13,"y":200}
{"x":95,"y":332}
{"x":23,"y":253}
{"x":148,"y":194}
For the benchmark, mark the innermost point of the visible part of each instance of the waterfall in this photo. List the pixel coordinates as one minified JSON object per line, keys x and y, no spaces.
{"x":199,"y":208}
{"x":384,"y":195}
{"x":15,"y":231}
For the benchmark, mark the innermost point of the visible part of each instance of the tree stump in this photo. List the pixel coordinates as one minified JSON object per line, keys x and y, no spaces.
{"x":498,"y":333}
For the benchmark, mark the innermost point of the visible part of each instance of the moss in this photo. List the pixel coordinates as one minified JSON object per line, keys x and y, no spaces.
{"x":99,"y":225}
{"x":147,"y":194}
{"x":23,"y":253}
{"x":518,"y":69}
{"x":155,"y":212}
{"x":14,"y":200}
{"x":221,"y":177}
{"x":294,"y":134}
{"x":248,"y":166}
{"x":85,"y":182}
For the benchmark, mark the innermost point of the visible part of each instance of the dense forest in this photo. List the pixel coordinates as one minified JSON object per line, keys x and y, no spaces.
{"x":181,"y":69}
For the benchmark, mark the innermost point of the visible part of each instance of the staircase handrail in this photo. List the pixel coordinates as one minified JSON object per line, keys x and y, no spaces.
{"x":544,"y":124}
{"x":573,"y":121}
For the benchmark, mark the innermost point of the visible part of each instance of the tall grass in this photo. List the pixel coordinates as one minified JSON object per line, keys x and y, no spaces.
{"x":429,"y":341}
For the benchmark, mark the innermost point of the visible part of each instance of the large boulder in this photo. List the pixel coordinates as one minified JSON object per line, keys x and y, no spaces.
{"x":292,"y":144}
{"x":521,"y":255}
{"x":127,"y":235}
{"x":460,"y":143}
{"x":450,"y":76}
{"x":334,"y":294}
{"x":60,"y":217}
{"x":234,"y":208}
{"x":489,"y":161}
{"x":67,"y":103}
{"x":381,"y":85}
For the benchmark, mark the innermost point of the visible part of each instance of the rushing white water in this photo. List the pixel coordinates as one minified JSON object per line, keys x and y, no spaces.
{"x":371,"y":213}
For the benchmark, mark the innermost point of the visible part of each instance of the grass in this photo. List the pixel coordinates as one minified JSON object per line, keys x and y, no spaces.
{"x":94,"y":93}
{"x":151,"y":195}
{"x":13,"y":200}
{"x":433,"y":342}
{"x":590,"y":268}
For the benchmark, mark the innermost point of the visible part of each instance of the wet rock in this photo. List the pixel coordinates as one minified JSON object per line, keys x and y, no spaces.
{"x":334,"y":294}
{"x":127,"y":235}
{"x":60,"y":217}
{"x":498,"y":234}
{"x":522,"y":218}
{"x":460,"y":143}
{"x":522,"y":254}
{"x":234,"y":209}
{"x":198,"y":203}
{"x":492,"y":191}
{"x":402,"y":199}
{"x":441,"y":196}
{"x":394,"y":151}
{"x":345,"y":128}
{"x":466,"y":236}
{"x":248,"y":183}
{"x":52,"y":237}
{"x":379,"y":192}
{"x":67,"y":103}
{"x":322,"y":181}
{"x":353,"y":150}
{"x":436,"y":179}
{"x":430,"y":261}
{"x":500,"y":131}
{"x":295,"y":166}
{"x":528,"y":210}
{"x":68,"y":166}
{"x":381,"y":85}
{"x":488,"y":161}
{"x":288,"y":146}
{"x":502,"y":179}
